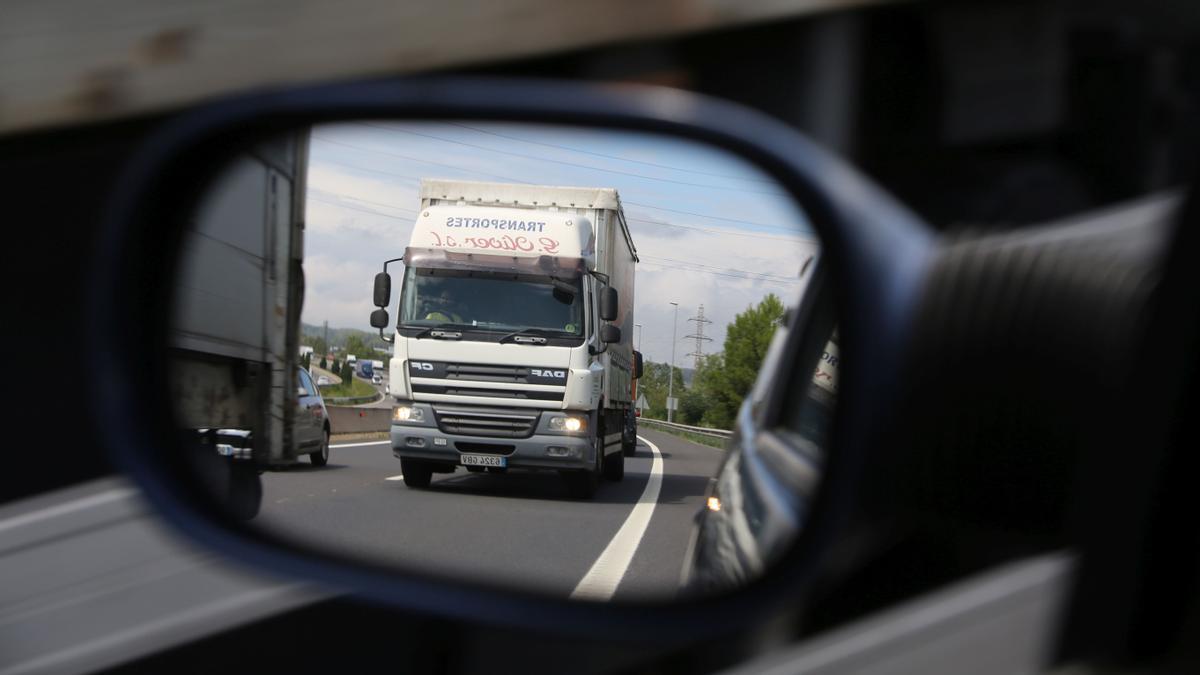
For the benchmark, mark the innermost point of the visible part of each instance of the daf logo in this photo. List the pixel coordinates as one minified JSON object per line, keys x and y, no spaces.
{"x":538,"y":372}
{"x":420,"y":365}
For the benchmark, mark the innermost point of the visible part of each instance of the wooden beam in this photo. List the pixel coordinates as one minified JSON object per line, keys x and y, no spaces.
{"x":72,"y":61}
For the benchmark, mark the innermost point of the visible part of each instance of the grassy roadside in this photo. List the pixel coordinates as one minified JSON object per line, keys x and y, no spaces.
{"x":718,"y":443}
{"x":355,"y":387}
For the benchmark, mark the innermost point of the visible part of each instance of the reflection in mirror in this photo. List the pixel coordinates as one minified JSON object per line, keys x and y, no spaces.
{"x":487,"y":420}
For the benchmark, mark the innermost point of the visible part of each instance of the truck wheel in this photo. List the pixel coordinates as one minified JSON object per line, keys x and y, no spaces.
{"x":245,"y":491}
{"x":614,"y":466}
{"x":629,"y":445}
{"x":321,"y":457}
{"x":582,"y":484}
{"x":417,"y":474}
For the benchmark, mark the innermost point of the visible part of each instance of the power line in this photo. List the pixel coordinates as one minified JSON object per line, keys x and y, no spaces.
{"x":414,"y":159}
{"x":362,"y":209}
{"x":719,"y":269}
{"x":720,"y":274}
{"x":757,"y":235}
{"x":340,"y":195}
{"x":699,"y":336}
{"x":766,"y":181}
{"x":574,"y":164}
{"x":720,"y":232}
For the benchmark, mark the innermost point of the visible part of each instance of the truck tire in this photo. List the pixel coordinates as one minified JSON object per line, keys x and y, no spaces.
{"x":582,"y":484}
{"x":245,"y":491}
{"x":321,"y":457}
{"x":417,"y":474}
{"x":629,"y":445}
{"x":614,"y":466}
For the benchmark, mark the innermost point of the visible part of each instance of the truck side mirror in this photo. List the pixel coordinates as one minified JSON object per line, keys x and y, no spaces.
{"x":608,"y":304}
{"x":610,"y":333}
{"x":379,"y":318}
{"x":383,"y":293}
{"x":637,"y":365}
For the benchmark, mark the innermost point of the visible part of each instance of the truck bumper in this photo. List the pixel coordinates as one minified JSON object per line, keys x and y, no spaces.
{"x":540,"y":451}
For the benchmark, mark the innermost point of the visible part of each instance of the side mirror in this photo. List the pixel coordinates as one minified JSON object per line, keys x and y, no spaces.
{"x":383,"y":294}
{"x":608,"y":305}
{"x":637,"y":365}
{"x":610,"y":333}
{"x":379,"y":318}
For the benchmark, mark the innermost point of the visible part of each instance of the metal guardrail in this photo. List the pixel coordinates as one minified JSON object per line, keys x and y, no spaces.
{"x":703,"y":431}
{"x":352,"y":400}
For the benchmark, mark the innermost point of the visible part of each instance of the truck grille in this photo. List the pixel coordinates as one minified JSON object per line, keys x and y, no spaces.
{"x":494,"y":422}
{"x":489,"y":393}
{"x":479,"y":373}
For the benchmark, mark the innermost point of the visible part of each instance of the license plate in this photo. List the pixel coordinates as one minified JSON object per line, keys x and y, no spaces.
{"x":482,"y":460}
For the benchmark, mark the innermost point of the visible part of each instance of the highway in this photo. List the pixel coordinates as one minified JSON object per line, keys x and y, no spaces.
{"x":518,"y":528}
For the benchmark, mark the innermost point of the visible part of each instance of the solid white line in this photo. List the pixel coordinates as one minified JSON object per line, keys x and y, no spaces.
{"x":62,"y":509}
{"x":606,"y":573}
{"x":358,"y":445}
{"x":396,"y":477}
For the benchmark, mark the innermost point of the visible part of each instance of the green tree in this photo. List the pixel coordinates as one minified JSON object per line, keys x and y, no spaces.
{"x":347,"y":373}
{"x":699,"y":404}
{"x":337,"y":367}
{"x":746,"y":342}
{"x":319,"y":346}
{"x":357,"y":346}
{"x":654,"y":384}
{"x":324,"y":362}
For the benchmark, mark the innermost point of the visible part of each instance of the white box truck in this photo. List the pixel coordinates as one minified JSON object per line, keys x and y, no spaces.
{"x":235,"y":334}
{"x":513,"y":341}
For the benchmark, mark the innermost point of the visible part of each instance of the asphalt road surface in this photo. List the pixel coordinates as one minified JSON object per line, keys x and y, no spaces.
{"x":517,"y":528}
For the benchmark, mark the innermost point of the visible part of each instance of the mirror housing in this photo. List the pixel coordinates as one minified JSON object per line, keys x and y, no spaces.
{"x":379,"y":318}
{"x":610,"y":333}
{"x":637,"y":365}
{"x":608,"y":305}
{"x":383,"y":294}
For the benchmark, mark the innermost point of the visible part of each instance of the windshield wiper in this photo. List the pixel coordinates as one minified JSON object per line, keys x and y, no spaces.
{"x":536,"y":336}
{"x":439,"y":331}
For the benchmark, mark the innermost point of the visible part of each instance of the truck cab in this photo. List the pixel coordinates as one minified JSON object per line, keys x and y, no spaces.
{"x":512,"y":345}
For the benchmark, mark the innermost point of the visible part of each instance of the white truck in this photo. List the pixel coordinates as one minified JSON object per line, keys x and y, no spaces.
{"x":235,"y":332}
{"x":513,"y":343}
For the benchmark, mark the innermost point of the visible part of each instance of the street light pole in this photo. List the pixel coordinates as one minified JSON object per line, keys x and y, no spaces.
{"x":671,"y":367}
{"x":639,"y":335}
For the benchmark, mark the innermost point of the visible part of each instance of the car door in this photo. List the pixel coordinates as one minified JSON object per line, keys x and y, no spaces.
{"x":309,"y":414}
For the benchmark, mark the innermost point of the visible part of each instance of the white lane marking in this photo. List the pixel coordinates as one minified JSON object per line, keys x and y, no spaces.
{"x":396,"y":477}
{"x":63,"y":509}
{"x":606,"y":573}
{"x":357,"y":445}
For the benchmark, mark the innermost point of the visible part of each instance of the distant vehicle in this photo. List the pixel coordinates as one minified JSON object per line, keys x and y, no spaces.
{"x":324,"y":381}
{"x":387,"y":389}
{"x":731,"y":546}
{"x":350,"y":358}
{"x":365,"y":369}
{"x":376,"y":379}
{"x":311,"y":430}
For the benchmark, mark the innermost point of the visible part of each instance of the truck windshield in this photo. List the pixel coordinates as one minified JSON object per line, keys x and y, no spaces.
{"x":492,"y":301}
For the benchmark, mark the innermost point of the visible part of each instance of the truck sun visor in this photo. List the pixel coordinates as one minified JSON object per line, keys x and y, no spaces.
{"x":563,"y":268}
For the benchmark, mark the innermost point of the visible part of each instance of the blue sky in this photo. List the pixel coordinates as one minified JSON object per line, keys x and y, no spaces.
{"x":710,"y":228}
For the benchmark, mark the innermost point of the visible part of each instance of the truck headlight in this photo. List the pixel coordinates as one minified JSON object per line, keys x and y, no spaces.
{"x":408,"y":413}
{"x":568,"y":423}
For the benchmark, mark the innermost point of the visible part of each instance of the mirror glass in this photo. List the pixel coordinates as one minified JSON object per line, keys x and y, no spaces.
{"x":463,"y":416}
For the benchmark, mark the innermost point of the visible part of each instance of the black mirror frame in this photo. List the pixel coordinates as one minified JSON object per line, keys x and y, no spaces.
{"x":608,"y":304}
{"x":382,"y":291}
{"x":610,"y":334}
{"x":876,"y":249}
